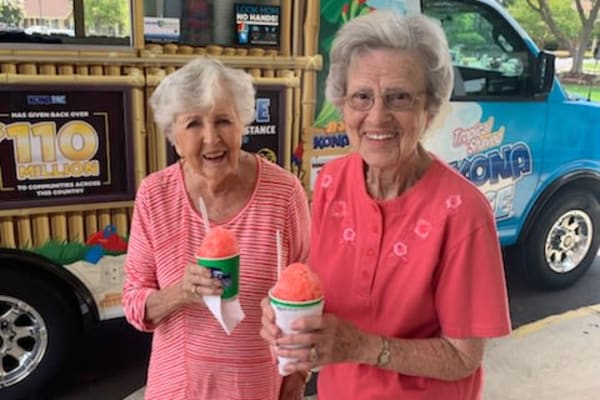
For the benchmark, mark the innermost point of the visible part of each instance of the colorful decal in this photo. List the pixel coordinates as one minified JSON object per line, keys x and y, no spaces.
{"x":257,"y":25}
{"x":265,"y":136}
{"x":475,"y":147}
{"x":63,"y":146}
{"x":98,"y":263}
{"x":324,"y":144}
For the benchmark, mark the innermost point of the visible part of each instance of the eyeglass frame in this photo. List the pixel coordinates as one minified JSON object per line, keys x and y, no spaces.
{"x":415,"y":97}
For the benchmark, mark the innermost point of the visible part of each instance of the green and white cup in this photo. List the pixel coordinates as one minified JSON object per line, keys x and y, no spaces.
{"x":227,"y":270}
{"x":287,"y":312}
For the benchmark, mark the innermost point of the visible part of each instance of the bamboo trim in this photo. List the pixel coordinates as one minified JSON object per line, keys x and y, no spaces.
{"x":120,"y":221}
{"x":58,"y":226}
{"x":288,"y":81}
{"x":295,"y":28}
{"x":103,"y":218}
{"x":75,"y":226}
{"x":30,"y":78}
{"x":7,"y":233}
{"x":137,"y":25}
{"x":139,"y":135}
{"x":297,"y":119}
{"x":308,"y":100}
{"x":286,"y":20}
{"x":91,"y":223}
{"x":255,"y":59}
{"x":41,"y":229}
{"x":26,"y":212}
{"x":311,"y":27}
{"x":24,"y":231}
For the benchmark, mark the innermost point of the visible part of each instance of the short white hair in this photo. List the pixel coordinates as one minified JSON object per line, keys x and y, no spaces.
{"x":197,"y":85}
{"x":387,"y":29}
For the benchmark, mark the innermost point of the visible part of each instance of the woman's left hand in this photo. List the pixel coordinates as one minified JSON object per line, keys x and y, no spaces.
{"x":323,"y":340}
{"x":292,"y":387}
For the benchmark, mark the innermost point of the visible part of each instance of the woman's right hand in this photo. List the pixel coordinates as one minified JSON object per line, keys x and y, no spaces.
{"x":197,"y":282}
{"x":269,"y":331}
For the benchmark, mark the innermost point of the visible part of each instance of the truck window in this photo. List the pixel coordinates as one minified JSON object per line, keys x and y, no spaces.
{"x":490,"y":58}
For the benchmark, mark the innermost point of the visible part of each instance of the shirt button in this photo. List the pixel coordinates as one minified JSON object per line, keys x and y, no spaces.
{"x":374,"y":229}
{"x":370,"y":252}
{"x":365,"y":274}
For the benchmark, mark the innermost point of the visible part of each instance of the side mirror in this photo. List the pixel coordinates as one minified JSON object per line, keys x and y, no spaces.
{"x":543,"y":75}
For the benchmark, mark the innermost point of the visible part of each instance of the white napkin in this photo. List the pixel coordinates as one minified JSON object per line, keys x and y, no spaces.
{"x":229,"y":313}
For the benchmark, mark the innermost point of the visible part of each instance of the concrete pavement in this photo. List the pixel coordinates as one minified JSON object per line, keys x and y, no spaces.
{"x":555,"y":358}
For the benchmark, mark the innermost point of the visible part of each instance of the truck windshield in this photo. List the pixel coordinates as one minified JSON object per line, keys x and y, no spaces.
{"x":489,"y":56}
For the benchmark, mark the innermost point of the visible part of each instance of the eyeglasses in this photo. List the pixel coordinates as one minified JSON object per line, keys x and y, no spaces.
{"x":394,"y":100}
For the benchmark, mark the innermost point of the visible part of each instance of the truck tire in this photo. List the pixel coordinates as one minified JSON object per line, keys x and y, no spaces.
{"x":38,"y":332}
{"x":563,"y":242}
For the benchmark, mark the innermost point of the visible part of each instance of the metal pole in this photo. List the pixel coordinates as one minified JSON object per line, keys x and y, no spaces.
{"x":40,"y":6}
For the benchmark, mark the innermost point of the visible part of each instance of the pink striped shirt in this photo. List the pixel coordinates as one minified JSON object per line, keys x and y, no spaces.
{"x":192,"y":357}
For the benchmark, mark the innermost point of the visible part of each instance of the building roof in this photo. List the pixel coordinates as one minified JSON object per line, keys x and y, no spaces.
{"x":55,"y":9}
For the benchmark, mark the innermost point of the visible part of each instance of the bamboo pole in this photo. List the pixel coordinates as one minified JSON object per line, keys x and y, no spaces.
{"x":288,"y":120}
{"x":25,"y":239}
{"x":27,"y":69}
{"x":7,"y":233}
{"x":131,"y":80}
{"x":91,"y":223}
{"x":103,"y":219}
{"x":121,"y":223}
{"x":41,"y":229}
{"x":8,"y":68}
{"x":286,"y":22}
{"x":47,"y":69}
{"x":30,"y":212}
{"x":311,"y":27}
{"x":82,"y":70}
{"x":75,"y":227}
{"x":58,"y":226}
{"x":66,"y":69}
{"x":254,"y":59}
{"x":139,"y":134}
{"x":137,"y":25}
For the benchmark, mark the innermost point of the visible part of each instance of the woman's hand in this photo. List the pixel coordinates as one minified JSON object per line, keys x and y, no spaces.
{"x":197,"y":282}
{"x":321,"y":340}
{"x":269,"y":331}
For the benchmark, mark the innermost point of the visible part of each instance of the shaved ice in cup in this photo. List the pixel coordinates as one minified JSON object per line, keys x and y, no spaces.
{"x":297,"y":293}
{"x":219,"y":252}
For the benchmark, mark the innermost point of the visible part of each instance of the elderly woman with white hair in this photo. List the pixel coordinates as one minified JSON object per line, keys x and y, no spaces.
{"x":406,"y":248}
{"x":203,"y":109}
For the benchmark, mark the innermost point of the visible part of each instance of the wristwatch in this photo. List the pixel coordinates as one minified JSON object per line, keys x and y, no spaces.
{"x":384,"y":356}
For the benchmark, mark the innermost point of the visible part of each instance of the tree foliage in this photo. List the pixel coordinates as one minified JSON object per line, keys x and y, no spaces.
{"x":107,"y":17}
{"x":10,"y":14}
{"x":570,"y":23}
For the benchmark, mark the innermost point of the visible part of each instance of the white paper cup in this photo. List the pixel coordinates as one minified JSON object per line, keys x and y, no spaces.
{"x":287,"y":312}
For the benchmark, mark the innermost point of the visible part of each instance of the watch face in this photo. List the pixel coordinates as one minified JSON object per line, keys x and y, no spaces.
{"x":384,"y":357}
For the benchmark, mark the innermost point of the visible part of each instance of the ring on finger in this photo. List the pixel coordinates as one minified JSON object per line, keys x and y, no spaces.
{"x":314,"y":356}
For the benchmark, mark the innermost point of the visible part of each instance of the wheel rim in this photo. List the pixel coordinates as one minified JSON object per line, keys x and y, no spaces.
{"x":23,"y":340}
{"x":568,"y":241}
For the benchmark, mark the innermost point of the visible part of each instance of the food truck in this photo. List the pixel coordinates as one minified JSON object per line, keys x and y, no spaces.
{"x":77,"y":137}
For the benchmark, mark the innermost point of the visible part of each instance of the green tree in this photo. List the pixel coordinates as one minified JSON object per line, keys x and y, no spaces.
{"x":10,"y":14}
{"x":567,"y":21}
{"x":107,"y":17}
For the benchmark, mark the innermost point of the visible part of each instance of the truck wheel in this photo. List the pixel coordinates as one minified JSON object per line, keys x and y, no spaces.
{"x":563,"y":242}
{"x":38,"y":329}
